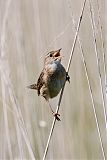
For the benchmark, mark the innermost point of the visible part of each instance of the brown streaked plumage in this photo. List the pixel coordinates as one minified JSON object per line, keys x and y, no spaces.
{"x":52,"y":78}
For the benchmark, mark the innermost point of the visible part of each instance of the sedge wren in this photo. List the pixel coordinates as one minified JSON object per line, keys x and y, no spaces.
{"x":52,"y":78}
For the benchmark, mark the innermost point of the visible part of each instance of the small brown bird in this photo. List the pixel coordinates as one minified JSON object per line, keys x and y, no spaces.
{"x":52,"y":78}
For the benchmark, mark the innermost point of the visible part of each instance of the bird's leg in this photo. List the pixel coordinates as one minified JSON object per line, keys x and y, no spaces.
{"x":67,"y":77}
{"x":54,"y":114}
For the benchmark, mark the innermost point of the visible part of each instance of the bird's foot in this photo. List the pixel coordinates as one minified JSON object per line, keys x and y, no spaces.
{"x":67,"y":77}
{"x":56,"y":116}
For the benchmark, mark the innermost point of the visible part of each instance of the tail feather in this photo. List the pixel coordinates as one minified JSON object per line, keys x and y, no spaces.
{"x":32,"y":86}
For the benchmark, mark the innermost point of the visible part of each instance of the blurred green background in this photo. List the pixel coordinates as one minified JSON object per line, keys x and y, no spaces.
{"x":28,"y":30}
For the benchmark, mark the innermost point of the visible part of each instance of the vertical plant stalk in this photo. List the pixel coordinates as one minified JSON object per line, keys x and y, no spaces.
{"x":68,"y":67}
{"x":98,"y":59}
{"x":7,"y":87}
{"x":102,"y":44}
{"x":18,"y":113}
{"x":5,"y":94}
{"x":3,"y":87}
{"x":91,"y":92}
{"x":93,"y":103}
{"x":6,"y":125}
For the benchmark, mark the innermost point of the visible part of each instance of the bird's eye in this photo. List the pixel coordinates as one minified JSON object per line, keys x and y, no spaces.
{"x":50,"y":55}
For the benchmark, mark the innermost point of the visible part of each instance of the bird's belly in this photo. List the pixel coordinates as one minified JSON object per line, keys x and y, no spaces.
{"x":55,"y":86}
{"x":55,"y":79}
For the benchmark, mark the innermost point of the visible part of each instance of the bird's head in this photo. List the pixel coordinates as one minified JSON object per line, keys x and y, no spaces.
{"x":53,"y":56}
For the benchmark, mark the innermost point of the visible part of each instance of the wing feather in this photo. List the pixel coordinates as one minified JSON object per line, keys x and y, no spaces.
{"x":40,"y":82}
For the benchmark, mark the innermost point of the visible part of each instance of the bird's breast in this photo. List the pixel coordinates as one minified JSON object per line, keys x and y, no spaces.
{"x":56,"y":79}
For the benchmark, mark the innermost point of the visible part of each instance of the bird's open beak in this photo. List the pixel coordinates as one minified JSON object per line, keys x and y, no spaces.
{"x":57,"y":53}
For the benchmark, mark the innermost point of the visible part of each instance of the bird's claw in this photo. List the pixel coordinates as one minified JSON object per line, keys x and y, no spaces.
{"x":56,"y":116}
{"x":67,"y":77}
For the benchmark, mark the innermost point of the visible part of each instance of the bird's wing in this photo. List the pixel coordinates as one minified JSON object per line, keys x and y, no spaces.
{"x":40,"y":82}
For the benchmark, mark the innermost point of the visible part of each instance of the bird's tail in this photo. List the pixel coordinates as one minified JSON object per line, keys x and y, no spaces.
{"x":32,"y":86}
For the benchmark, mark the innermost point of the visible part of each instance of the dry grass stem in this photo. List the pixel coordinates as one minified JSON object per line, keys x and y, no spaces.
{"x":102,"y":45}
{"x":90,"y":90}
{"x":98,"y":60}
{"x":28,"y":30}
{"x":7,"y":86}
{"x":68,"y":67}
